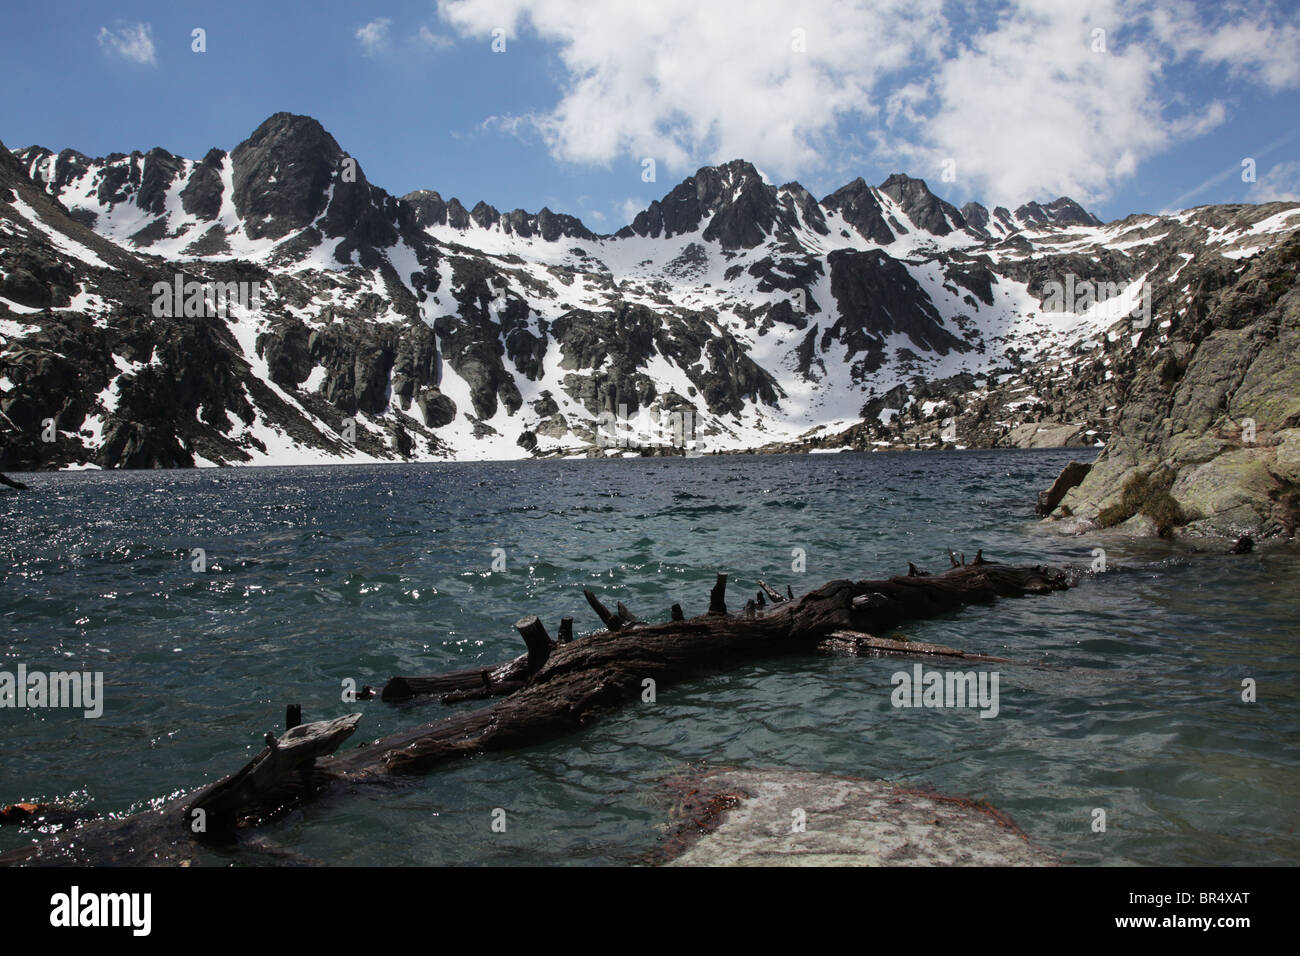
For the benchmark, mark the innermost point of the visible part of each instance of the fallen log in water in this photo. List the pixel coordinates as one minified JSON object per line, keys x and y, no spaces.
{"x":554,"y":689}
{"x":280,"y":776}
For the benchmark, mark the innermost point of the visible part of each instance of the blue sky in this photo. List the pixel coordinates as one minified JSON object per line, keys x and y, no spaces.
{"x":1012,"y":100}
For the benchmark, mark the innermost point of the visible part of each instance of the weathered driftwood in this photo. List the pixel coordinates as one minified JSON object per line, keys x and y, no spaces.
{"x":469,"y":684}
{"x":611,"y":621}
{"x":854,"y":644}
{"x":552,"y":690}
{"x":6,"y":480}
{"x":591,"y":676}
{"x":718,"y":596}
{"x":280,"y":776}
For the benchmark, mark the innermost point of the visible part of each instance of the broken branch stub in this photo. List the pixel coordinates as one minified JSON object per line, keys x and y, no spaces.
{"x":534,"y":634}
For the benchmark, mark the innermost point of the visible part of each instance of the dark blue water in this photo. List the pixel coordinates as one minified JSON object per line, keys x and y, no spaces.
{"x":319,"y":575}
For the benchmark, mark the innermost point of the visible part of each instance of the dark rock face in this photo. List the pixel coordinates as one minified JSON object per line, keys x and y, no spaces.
{"x":1059,"y":212}
{"x":68,"y":165}
{"x":282,"y":175}
{"x":438,"y":410}
{"x":457,"y":215}
{"x":797,"y":199}
{"x":926,"y":210}
{"x":895,"y":398}
{"x":743,"y":207}
{"x":34,"y":280}
{"x":974,"y":275}
{"x":160,"y":169}
{"x":427,"y":208}
{"x":416,"y":366}
{"x":878,"y":297}
{"x":616,"y":345}
{"x":858,"y":205}
{"x":790,"y":275}
{"x":201,"y":196}
{"x":1070,"y":477}
{"x":484,"y":216}
{"x":287,"y":352}
{"x":550,"y":226}
{"x":976,"y":216}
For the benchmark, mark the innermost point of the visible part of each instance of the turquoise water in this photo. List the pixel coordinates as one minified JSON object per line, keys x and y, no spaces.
{"x":319,"y":575}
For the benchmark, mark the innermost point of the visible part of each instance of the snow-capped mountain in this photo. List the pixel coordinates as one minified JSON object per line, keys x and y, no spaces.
{"x":730,"y":315}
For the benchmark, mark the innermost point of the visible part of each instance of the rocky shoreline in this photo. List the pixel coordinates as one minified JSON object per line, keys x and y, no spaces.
{"x":1208,"y":440}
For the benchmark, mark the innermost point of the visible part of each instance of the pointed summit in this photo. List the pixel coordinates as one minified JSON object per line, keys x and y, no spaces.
{"x":858,"y":204}
{"x":292,"y":174}
{"x":744,"y":209}
{"x":282,"y":175}
{"x":926,"y":210}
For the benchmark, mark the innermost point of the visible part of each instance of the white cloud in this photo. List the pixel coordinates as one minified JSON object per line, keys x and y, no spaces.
{"x":373,"y":37}
{"x":1021,"y":100}
{"x":1253,"y":48}
{"x":429,"y":40}
{"x":628,"y":209}
{"x":376,"y":39}
{"x":1280,"y":183}
{"x":130,"y":41}
{"x":1036,"y":107}
{"x":684,"y":81}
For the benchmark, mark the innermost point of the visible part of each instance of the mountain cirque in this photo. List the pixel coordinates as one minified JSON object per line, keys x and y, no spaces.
{"x":414,"y":328}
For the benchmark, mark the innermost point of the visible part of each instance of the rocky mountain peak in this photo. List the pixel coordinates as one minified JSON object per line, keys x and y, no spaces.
{"x":926,"y":210}
{"x":1059,"y":212}
{"x":861,"y":209}
{"x":743,"y":208}
{"x":11,"y":167}
{"x":428,"y":209}
{"x":283,"y":173}
{"x":976,"y":216}
{"x":793,"y":194}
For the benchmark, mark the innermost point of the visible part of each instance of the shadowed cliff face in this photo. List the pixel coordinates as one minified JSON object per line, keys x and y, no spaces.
{"x":424,"y":327}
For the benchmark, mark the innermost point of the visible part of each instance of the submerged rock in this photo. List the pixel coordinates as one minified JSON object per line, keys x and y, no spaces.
{"x":791,"y":818}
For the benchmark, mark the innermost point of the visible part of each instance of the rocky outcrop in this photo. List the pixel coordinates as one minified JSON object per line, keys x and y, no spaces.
{"x":1208,"y":440}
{"x":1045,"y":435}
{"x":1070,"y":477}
